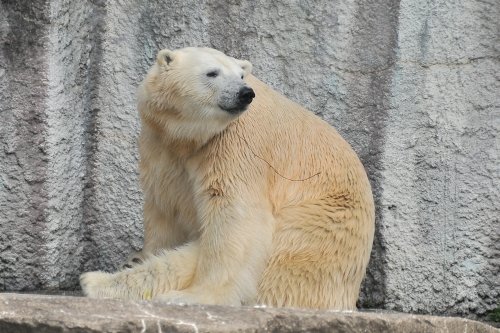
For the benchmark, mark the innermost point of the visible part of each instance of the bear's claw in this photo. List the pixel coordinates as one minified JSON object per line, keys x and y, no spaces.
{"x":135,"y":258}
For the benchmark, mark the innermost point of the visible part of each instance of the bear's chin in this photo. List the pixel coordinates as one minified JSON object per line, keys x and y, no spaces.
{"x":234,"y":111}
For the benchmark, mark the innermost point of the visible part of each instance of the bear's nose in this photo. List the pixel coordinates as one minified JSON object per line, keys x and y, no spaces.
{"x":246,"y":95}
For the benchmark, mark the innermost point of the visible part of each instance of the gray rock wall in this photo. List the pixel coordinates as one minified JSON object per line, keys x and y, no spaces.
{"x":413,"y":85}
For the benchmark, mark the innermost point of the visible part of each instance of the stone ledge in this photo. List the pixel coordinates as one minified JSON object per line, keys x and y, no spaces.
{"x":43,"y":313}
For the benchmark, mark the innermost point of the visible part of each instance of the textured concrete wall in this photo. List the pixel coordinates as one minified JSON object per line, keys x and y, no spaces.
{"x":413,"y":85}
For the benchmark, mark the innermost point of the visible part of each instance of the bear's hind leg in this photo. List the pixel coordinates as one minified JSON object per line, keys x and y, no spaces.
{"x":317,"y":263}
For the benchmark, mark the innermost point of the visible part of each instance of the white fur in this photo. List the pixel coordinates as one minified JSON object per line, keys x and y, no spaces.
{"x":270,"y":206}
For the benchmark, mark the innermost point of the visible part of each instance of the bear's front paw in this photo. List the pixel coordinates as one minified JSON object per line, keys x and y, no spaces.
{"x":96,"y":284}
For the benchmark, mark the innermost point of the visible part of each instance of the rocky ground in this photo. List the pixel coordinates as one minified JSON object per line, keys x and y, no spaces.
{"x":54,"y":313}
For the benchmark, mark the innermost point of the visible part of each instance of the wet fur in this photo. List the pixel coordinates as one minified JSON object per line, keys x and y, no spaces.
{"x":271,"y":207}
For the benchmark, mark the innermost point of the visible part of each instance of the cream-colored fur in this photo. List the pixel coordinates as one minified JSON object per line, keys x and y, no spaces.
{"x":269,"y":206}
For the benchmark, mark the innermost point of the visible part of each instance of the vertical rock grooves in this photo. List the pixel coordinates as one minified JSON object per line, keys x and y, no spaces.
{"x":96,"y":24}
{"x":23,"y":156}
{"x":374,"y":46}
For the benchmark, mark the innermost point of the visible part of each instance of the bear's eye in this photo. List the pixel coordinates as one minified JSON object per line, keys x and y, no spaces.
{"x":213,"y":74}
{"x":242,"y":76}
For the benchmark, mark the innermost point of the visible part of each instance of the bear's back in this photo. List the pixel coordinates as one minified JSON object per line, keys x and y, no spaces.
{"x":307,"y":156}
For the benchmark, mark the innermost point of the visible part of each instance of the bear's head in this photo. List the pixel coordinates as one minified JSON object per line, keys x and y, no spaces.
{"x":200,"y":83}
{"x":194,"y":93}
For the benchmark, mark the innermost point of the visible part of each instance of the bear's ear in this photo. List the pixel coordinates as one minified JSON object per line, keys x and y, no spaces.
{"x":165,"y":57}
{"x":246,"y":65}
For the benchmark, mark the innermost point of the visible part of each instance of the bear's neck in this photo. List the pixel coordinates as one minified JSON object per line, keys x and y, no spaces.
{"x":182,"y":138}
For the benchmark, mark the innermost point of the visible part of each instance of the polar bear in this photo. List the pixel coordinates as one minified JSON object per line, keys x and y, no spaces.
{"x":249,"y":198}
